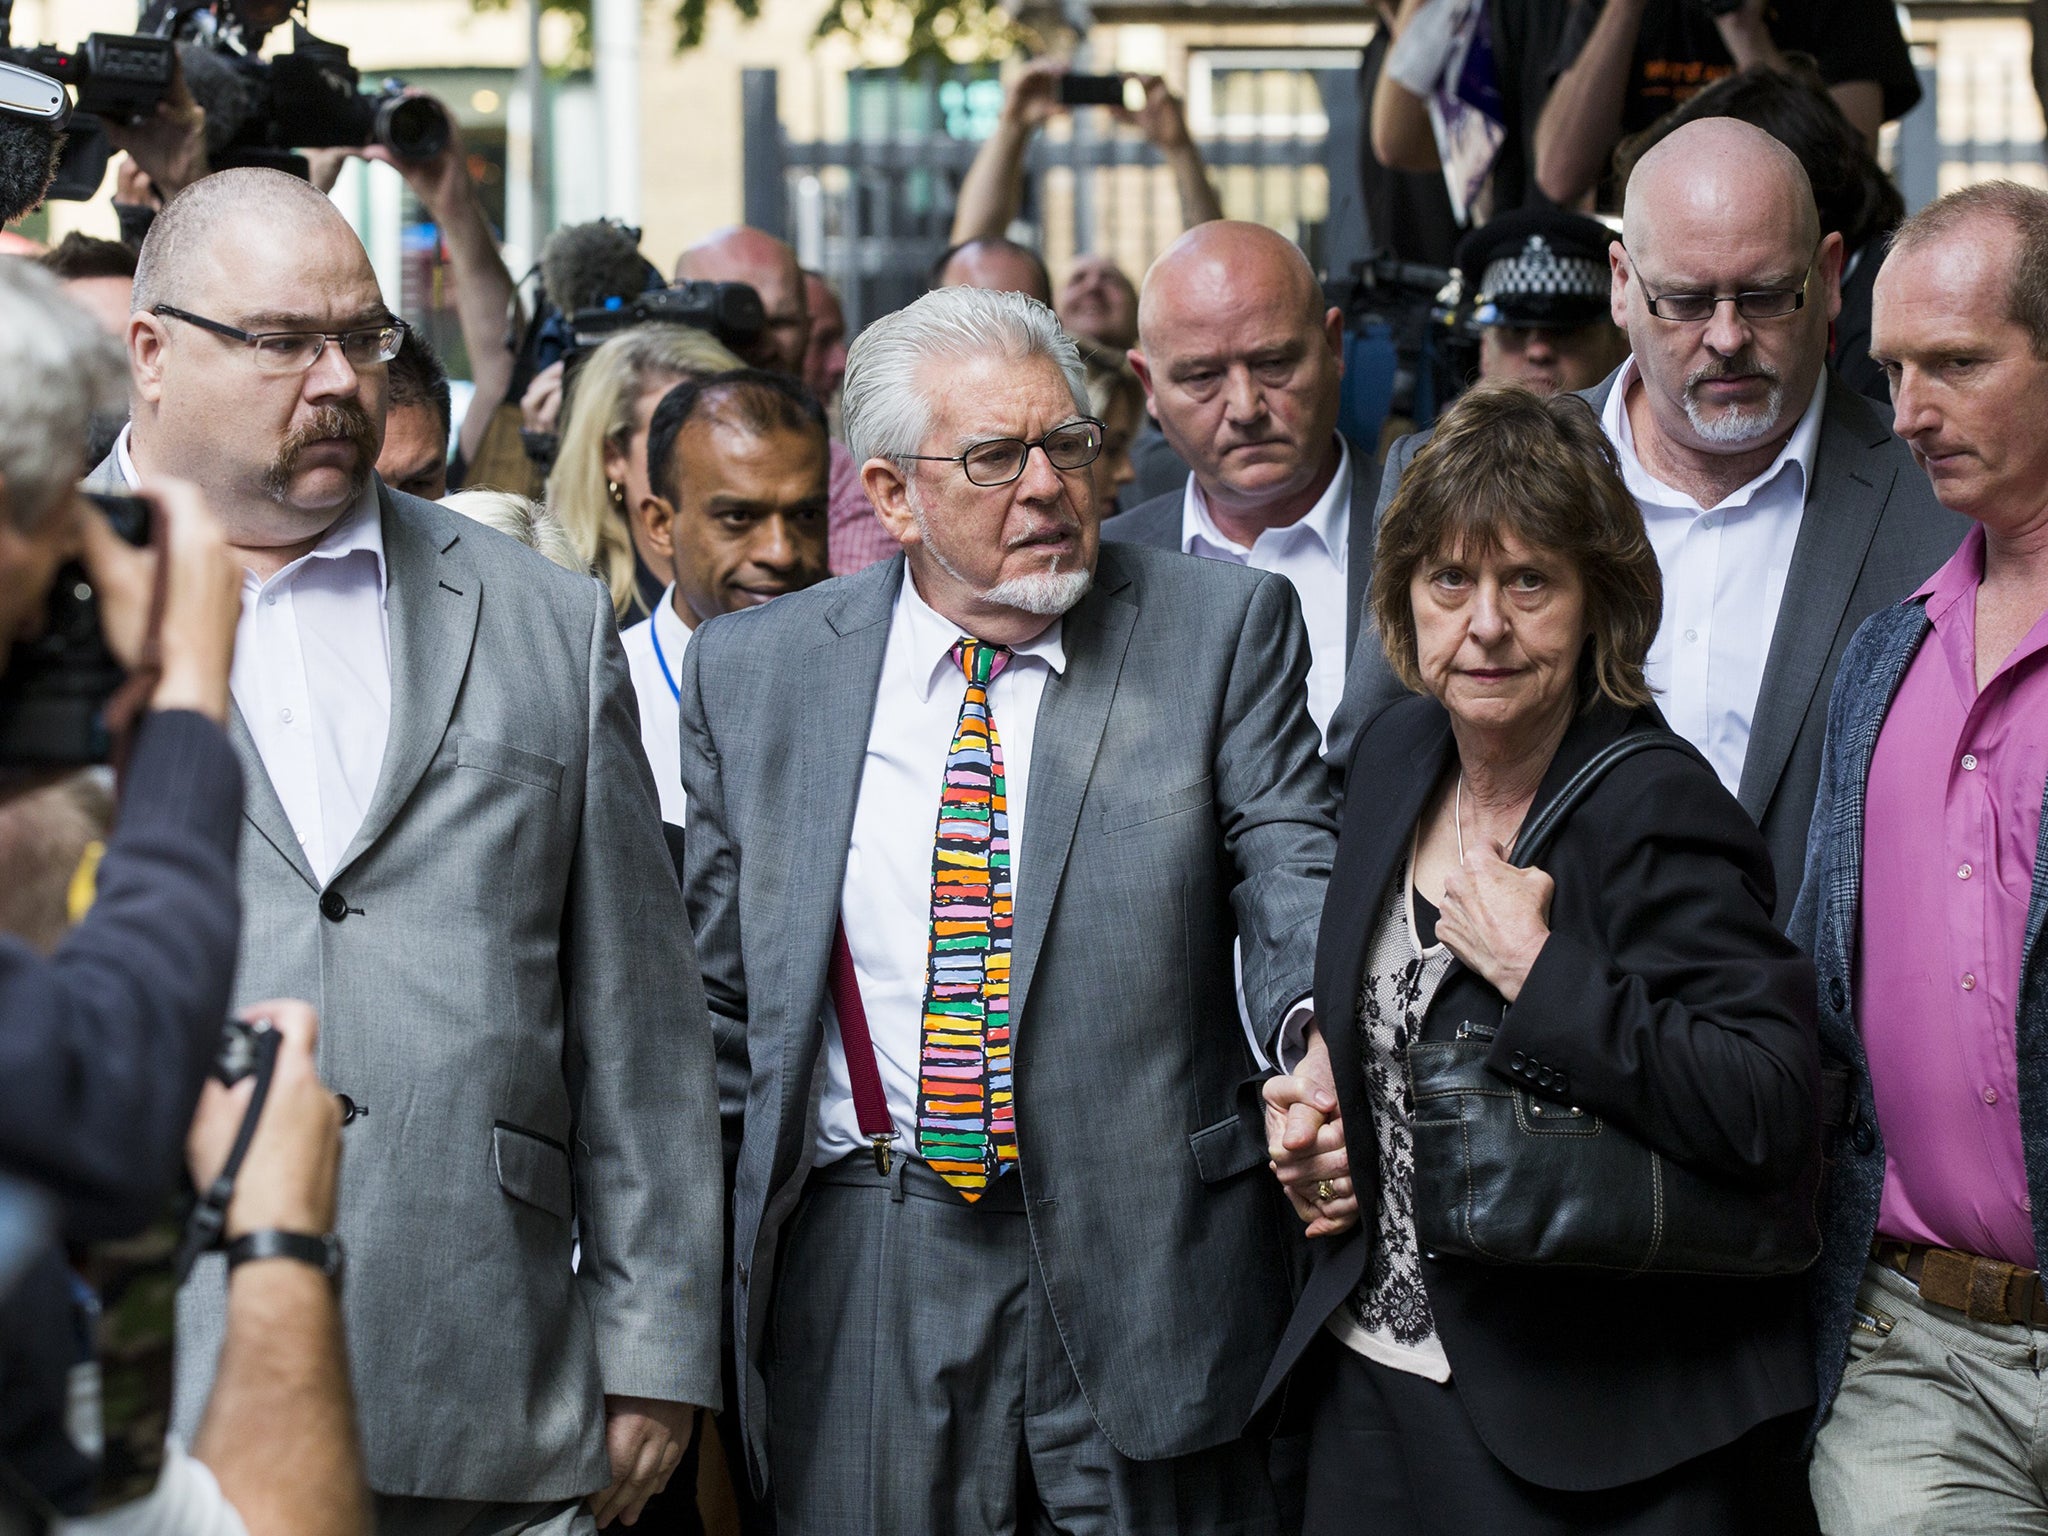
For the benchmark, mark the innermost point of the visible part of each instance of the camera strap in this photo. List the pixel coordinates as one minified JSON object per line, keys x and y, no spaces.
{"x":128,"y":701}
{"x":205,"y":1226}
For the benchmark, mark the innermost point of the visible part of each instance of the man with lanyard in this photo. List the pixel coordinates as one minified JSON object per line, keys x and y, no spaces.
{"x":737,"y":468}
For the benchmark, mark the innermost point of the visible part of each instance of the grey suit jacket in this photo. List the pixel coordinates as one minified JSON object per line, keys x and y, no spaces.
{"x":1158,"y":523}
{"x":1177,"y":801}
{"x":507,"y":987}
{"x":1871,"y":533}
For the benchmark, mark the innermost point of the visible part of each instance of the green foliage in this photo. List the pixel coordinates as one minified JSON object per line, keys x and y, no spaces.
{"x":917,"y":31}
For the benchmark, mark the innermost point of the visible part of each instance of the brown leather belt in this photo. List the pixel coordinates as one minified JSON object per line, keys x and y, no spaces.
{"x":1984,"y":1290}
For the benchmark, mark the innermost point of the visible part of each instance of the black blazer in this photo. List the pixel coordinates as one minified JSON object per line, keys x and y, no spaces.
{"x":1664,"y":999}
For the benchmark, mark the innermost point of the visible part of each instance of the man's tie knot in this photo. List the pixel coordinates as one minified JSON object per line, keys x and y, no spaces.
{"x":980,"y":660}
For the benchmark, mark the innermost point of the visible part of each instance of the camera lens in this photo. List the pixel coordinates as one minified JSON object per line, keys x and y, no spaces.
{"x":412,"y":127}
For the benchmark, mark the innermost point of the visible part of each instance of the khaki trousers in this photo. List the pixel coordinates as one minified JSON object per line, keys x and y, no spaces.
{"x":1941,"y":1426}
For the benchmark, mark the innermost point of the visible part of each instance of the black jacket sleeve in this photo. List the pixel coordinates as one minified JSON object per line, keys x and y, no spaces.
{"x":105,"y":1044}
{"x":1664,"y":992}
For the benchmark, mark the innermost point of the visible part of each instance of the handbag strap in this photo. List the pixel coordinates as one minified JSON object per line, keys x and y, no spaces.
{"x":870,"y":1104}
{"x":1539,"y":830}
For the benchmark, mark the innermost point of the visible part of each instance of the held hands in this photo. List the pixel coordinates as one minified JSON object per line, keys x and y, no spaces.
{"x":542,"y":405}
{"x":1033,"y":99}
{"x":1496,"y":917}
{"x":646,"y":1438}
{"x":1305,"y":1140}
{"x":169,"y":146}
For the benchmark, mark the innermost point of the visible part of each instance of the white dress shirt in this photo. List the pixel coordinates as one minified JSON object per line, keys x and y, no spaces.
{"x":654,"y":655}
{"x":885,"y":902}
{"x":1311,"y":554}
{"x":1724,"y":578}
{"x":312,"y":676}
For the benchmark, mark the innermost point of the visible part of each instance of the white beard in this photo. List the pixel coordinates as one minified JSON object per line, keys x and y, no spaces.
{"x":1737,"y":426}
{"x":1047,"y":594}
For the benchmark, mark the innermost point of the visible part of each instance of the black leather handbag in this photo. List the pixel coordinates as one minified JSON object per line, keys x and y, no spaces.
{"x":1504,"y":1177}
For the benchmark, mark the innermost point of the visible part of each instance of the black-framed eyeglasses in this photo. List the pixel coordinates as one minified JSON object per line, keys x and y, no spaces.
{"x":297,"y":351}
{"x":1751,"y":304}
{"x":1074,"y":445}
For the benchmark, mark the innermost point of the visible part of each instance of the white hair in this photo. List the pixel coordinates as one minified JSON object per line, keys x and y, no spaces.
{"x":60,"y":367}
{"x":885,"y":401}
{"x":519,"y":517}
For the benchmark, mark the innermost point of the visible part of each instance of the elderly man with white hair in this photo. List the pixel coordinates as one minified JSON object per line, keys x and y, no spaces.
{"x":1006,"y":1253}
{"x":1782,"y":510}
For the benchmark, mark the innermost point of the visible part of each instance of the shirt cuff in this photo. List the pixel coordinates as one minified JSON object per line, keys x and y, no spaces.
{"x":1293,"y":1042}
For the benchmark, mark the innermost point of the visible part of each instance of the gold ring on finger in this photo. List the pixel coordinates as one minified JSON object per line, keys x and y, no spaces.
{"x":1325,"y":1191}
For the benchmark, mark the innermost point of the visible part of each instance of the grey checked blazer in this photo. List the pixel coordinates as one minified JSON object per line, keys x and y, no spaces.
{"x":1871,"y":533}
{"x":1826,"y":923}
{"x":1177,"y":802}
{"x":507,"y":987}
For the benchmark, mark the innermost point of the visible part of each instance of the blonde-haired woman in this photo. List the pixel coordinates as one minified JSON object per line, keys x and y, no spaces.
{"x":600,"y":470}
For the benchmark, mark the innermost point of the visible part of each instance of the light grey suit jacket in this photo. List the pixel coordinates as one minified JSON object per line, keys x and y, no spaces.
{"x":507,"y":986}
{"x":1177,"y":802}
{"x":1871,"y":533}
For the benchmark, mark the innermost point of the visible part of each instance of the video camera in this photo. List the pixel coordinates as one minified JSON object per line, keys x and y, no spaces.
{"x":1410,"y":345}
{"x":259,"y":111}
{"x":730,"y":312}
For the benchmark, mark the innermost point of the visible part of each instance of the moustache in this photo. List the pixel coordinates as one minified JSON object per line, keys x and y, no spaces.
{"x":1741,"y":366}
{"x":346,"y":420}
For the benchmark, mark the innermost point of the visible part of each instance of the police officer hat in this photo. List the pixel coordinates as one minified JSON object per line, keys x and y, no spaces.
{"x":1537,"y":267}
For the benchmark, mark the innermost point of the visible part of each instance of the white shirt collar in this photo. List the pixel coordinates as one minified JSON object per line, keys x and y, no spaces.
{"x":358,"y":530}
{"x":930,"y":634}
{"x":1328,"y":522}
{"x":670,"y":629}
{"x":1797,"y":454}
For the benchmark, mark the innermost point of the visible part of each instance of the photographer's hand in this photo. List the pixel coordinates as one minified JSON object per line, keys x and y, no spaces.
{"x":169,"y":146}
{"x":287,"y":1181}
{"x":202,"y":602}
{"x":279,"y":1430}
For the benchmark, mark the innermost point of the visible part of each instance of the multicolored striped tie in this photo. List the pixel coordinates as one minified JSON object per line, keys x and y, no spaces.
{"x":966,"y":1118}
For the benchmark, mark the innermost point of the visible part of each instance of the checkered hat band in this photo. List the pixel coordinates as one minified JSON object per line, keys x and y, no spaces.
{"x":1543,"y":271}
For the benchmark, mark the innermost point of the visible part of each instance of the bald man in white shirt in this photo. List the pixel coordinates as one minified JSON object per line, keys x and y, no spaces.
{"x":1782,"y":509}
{"x":1241,"y":360}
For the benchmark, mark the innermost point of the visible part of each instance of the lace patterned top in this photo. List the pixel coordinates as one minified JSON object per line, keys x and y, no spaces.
{"x":1387,"y":1318}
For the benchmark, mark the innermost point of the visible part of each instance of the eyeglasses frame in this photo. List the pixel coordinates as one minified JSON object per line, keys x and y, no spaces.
{"x":1024,"y":461}
{"x":1798,"y":296}
{"x":252,"y":339}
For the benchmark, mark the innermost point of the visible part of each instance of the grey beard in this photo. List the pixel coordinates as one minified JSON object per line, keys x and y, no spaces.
{"x":1737,"y":426}
{"x":1047,"y":594}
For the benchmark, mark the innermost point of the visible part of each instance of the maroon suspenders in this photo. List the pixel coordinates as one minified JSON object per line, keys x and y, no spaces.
{"x":870,"y":1104}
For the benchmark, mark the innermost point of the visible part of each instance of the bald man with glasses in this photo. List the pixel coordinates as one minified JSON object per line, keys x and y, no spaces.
{"x":451,"y":846}
{"x":1782,"y":510}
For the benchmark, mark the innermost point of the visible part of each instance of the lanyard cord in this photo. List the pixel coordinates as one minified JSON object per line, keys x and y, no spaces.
{"x":667,"y":675}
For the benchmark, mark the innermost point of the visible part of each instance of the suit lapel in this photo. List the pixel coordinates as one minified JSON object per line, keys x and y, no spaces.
{"x":433,"y":598}
{"x":265,"y":812}
{"x":845,"y":669}
{"x":1369,"y":852}
{"x":1359,"y":550}
{"x":1843,"y":505}
{"x":1071,"y":719}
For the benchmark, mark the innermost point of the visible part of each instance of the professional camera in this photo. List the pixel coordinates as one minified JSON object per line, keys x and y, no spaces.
{"x":259,"y":111}
{"x":54,"y":695}
{"x":730,"y":311}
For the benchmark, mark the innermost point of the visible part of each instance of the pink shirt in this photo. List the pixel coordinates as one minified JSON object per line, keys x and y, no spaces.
{"x":1954,"y":808}
{"x":855,"y":538}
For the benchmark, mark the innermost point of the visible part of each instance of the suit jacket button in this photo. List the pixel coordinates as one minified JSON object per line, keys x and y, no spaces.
{"x":1864,"y":1137}
{"x":333,"y":906}
{"x":1838,"y":999}
{"x":1518,"y":1062}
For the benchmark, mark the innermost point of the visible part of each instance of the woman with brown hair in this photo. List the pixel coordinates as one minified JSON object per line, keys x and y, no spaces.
{"x":1632,"y":985}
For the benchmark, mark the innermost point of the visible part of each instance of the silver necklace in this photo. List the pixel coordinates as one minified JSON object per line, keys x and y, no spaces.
{"x":1458,"y":816}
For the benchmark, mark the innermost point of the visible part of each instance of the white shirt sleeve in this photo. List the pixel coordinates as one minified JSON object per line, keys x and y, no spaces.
{"x":186,"y":1501}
